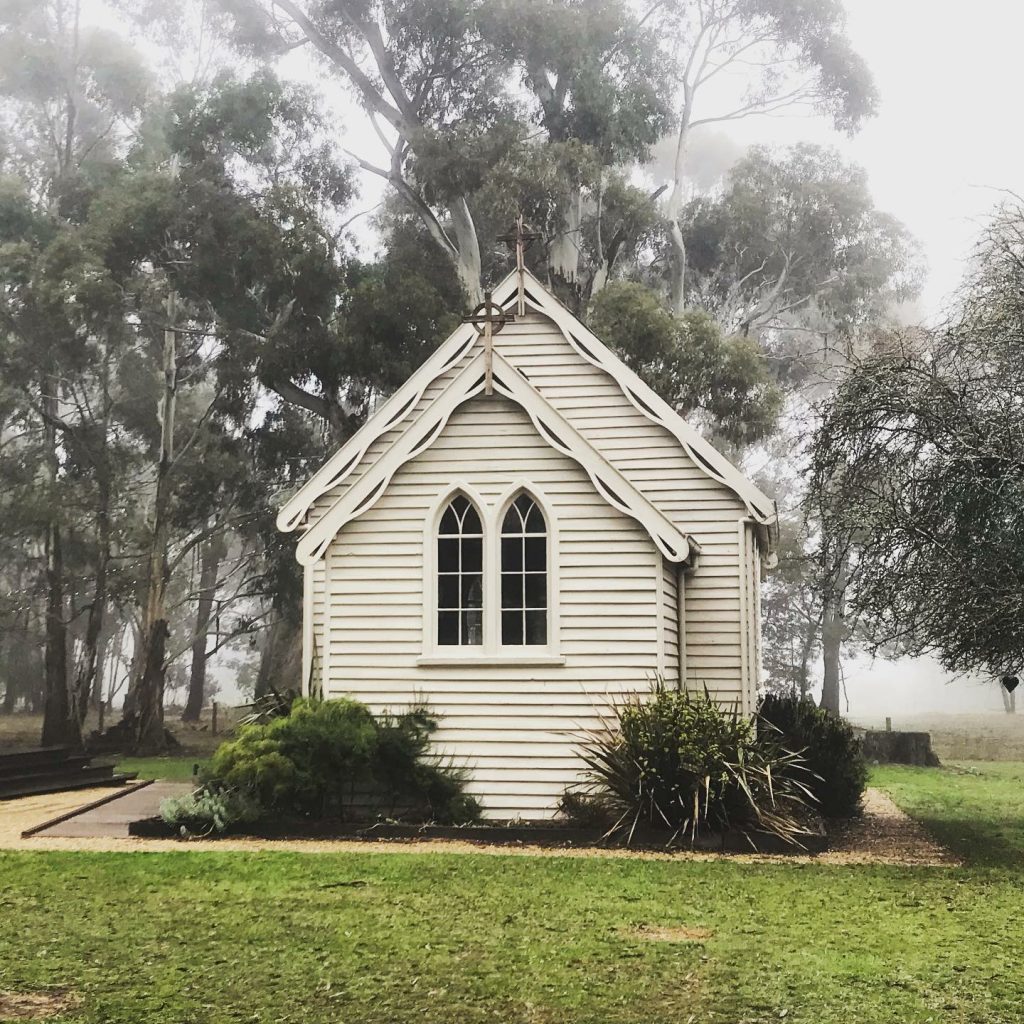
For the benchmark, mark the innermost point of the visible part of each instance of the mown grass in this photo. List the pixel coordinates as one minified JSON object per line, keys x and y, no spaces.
{"x":173,"y":769}
{"x":204,"y":937}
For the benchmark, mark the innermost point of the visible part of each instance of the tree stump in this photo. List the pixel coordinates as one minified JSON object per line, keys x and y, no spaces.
{"x":900,"y":748}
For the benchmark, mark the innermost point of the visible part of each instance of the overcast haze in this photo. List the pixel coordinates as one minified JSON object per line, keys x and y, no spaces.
{"x":948,"y":133}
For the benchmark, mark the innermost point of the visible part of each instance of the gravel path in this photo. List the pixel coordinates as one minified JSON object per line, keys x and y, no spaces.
{"x":883,"y":835}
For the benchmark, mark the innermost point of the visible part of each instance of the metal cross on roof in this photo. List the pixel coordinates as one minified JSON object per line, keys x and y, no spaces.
{"x":519,"y":240}
{"x":488,"y":318}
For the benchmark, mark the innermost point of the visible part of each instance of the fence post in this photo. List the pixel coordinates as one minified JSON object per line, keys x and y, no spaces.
{"x":888,"y":724}
{"x":214,"y":718}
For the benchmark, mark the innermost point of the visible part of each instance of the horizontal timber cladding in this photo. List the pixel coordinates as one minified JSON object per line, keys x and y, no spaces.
{"x":516,"y":727}
{"x":618,"y":605}
{"x":669,"y":618}
{"x":652,"y":459}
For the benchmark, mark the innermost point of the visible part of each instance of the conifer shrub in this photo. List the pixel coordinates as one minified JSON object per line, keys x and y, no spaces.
{"x":679,"y":763}
{"x":831,"y":750}
{"x":333,"y":758}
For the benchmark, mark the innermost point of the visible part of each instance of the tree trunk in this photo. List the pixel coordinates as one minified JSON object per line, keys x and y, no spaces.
{"x":281,"y":658}
{"x":564,"y":254}
{"x":60,"y":724}
{"x":677,"y":244}
{"x":213,"y":552}
{"x":96,"y":698}
{"x":7,"y":707}
{"x":1009,"y":699}
{"x":833,"y":633}
{"x":805,"y":658}
{"x":23,"y":661}
{"x":85,"y":678}
{"x":130,"y":705}
{"x":468,"y":265}
{"x":149,"y":667}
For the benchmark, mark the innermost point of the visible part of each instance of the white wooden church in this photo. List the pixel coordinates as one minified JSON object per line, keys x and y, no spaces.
{"x":521,"y":535}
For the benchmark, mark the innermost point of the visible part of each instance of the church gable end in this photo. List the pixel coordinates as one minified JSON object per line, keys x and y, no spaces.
{"x":523,"y":534}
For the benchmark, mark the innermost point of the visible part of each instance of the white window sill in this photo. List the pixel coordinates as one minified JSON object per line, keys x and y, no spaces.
{"x":490,"y":660}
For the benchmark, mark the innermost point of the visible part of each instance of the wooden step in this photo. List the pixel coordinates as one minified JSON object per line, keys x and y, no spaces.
{"x":32,"y":787}
{"x":34,"y":756}
{"x":68,"y":765}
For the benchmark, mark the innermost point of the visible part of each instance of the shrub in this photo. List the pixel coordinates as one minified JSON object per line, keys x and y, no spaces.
{"x":309,"y":761}
{"x":828,"y":745}
{"x":209,"y":810}
{"x":409,"y":775}
{"x":328,"y":757}
{"x":679,"y":762}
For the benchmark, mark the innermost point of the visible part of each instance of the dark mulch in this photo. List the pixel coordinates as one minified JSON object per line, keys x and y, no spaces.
{"x":539,"y":833}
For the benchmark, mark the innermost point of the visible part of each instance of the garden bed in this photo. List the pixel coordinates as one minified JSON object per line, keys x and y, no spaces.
{"x":534,"y":833}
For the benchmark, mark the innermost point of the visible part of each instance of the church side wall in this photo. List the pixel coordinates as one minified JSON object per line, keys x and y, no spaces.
{"x":515,"y":726}
{"x":668,"y":610}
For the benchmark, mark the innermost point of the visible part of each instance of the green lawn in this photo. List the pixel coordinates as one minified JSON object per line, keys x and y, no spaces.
{"x":175,"y":769}
{"x":184,"y":938}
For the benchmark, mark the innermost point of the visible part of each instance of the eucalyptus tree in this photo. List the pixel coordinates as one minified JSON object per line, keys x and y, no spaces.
{"x":792,"y":253}
{"x":794,"y":238}
{"x":597,"y":93}
{"x":69,"y":91}
{"x":62,"y":334}
{"x":788,"y":55}
{"x":721,"y":382}
{"x":431,"y":88}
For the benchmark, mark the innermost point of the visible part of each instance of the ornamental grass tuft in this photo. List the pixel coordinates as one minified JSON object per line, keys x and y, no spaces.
{"x":677,"y":762}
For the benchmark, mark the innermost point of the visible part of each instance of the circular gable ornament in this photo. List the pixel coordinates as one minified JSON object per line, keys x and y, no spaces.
{"x":489,"y":312}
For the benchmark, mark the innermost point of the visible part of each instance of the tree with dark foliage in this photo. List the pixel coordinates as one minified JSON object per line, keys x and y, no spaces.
{"x":918,"y":473}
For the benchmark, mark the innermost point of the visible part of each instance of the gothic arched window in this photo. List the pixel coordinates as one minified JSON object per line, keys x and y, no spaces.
{"x":524,"y":575}
{"x":460,"y":575}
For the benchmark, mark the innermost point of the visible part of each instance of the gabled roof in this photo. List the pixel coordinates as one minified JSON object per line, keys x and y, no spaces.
{"x":420,"y":434}
{"x":554,"y":428}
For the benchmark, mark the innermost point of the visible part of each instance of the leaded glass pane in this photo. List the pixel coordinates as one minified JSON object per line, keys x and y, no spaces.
{"x":512,"y":628}
{"x":447,"y":628}
{"x":536,"y":588}
{"x":536,"y":628}
{"x":524,"y":579}
{"x":460,"y":591}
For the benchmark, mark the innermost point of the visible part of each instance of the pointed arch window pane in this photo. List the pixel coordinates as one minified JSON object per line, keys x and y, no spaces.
{"x":535,"y":521}
{"x":460,"y":589}
{"x":524,"y":578}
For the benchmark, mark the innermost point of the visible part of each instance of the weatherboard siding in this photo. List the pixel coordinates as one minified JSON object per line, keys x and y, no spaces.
{"x":653,"y":460}
{"x":516,"y":727}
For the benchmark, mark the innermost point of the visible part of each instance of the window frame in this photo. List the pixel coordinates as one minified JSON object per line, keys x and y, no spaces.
{"x":492,"y":651}
{"x":461,"y":574}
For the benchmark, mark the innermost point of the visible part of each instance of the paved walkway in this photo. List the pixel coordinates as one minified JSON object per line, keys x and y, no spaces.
{"x":110,"y":820}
